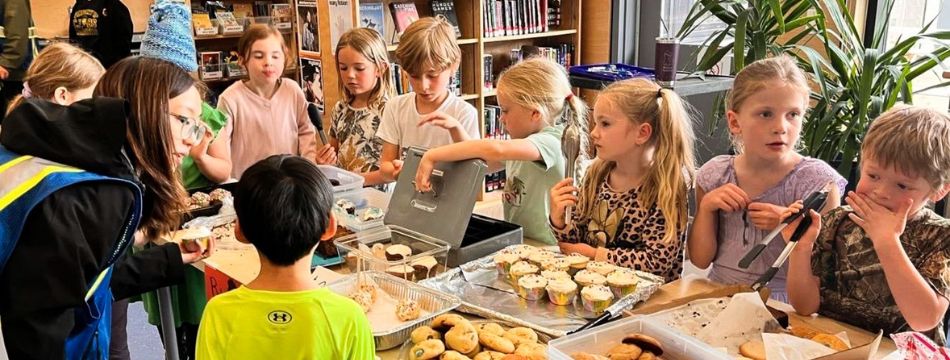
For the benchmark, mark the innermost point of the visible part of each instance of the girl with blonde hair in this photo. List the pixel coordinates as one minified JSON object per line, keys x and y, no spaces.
{"x":61,"y":73}
{"x":535,"y":99}
{"x":631,"y":206}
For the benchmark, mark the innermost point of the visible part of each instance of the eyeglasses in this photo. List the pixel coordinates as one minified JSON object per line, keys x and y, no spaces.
{"x":190,"y":129}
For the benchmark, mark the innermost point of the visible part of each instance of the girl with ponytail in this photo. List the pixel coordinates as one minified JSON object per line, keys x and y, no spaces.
{"x":631,"y":207}
{"x":536,"y":101}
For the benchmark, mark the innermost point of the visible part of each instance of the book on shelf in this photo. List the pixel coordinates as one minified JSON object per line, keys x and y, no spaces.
{"x":554,"y":13}
{"x":562,"y":54}
{"x":211,"y":66}
{"x":311,"y":80}
{"x":515,"y":17}
{"x":228,"y":23}
{"x":281,"y":15}
{"x":307,"y":25}
{"x":372,"y":16}
{"x":201,"y":21}
{"x":489,"y":77}
{"x":404,"y":14}
{"x":242,"y":10}
{"x":341,"y":20}
{"x":446,"y":9}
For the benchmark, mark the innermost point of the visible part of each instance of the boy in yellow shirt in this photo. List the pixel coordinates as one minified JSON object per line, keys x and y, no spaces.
{"x":283,"y":206}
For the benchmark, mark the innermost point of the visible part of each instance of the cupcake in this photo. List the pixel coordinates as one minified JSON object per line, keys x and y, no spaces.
{"x":578,"y":262}
{"x":596,"y":298}
{"x":503,"y":261}
{"x":556,"y":264}
{"x":523,"y":251}
{"x":520,"y":269}
{"x":531,"y":286}
{"x":601,"y":267}
{"x":540,"y":256}
{"x":561,"y":291}
{"x":398,"y":252}
{"x":622,"y":282}
{"x":556,"y":275}
{"x":587,"y":277}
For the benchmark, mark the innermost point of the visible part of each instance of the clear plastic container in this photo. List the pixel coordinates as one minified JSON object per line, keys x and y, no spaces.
{"x":427,"y":258}
{"x":600,"y":339}
{"x":348,"y":181}
{"x":363,"y":199}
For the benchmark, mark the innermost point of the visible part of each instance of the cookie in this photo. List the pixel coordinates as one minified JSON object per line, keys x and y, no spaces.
{"x":445,"y":321}
{"x":647,"y":356}
{"x":586,"y":356}
{"x":521,"y":335}
{"x":624,"y":352}
{"x":496,"y":342}
{"x":489,"y":355}
{"x":533,"y":351}
{"x":453,"y":355}
{"x":424,"y":333}
{"x":462,"y":338}
{"x":491,"y":328}
{"x":427,"y":349}
{"x":830,"y":341}
{"x":754,"y":349}
{"x":407,"y":310}
{"x":514,"y":357}
{"x":645,"y":342}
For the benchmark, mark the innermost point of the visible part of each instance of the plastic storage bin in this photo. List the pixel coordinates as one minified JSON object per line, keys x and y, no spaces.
{"x":348,"y":181}
{"x":600,"y":339}
{"x":611,"y":72}
{"x":422,"y":247}
{"x":363,"y":199}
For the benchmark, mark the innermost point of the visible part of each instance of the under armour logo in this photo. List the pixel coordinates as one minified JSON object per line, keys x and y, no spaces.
{"x":279,"y":317}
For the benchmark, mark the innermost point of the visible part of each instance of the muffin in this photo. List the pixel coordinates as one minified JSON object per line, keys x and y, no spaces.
{"x":520,"y":269}
{"x":199,"y":200}
{"x":531,"y":286}
{"x":540,"y":256}
{"x":578,"y":262}
{"x":601,"y":267}
{"x":556,"y":264}
{"x":587,"y":277}
{"x":407,"y":310}
{"x":561,"y":291}
{"x":622,"y":282}
{"x":556,"y":275}
{"x":219,"y":194}
{"x":398,"y":252}
{"x":596,"y":298}
{"x":503,"y":261}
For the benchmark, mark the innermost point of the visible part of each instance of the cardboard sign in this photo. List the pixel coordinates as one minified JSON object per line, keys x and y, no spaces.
{"x":216,"y":282}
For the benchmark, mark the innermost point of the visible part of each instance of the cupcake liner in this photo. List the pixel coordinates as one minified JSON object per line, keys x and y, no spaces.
{"x":573,"y":269}
{"x":531,"y":294}
{"x":621,"y":291}
{"x":502,"y":267}
{"x":596,"y":306}
{"x":562,"y":297}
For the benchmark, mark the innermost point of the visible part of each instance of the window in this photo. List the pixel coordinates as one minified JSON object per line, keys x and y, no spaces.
{"x":907,"y":18}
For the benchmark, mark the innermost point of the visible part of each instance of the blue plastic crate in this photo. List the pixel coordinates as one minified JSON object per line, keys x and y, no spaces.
{"x":612,"y":72}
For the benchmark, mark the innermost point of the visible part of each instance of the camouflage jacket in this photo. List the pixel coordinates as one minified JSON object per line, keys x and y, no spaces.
{"x":853,"y":288}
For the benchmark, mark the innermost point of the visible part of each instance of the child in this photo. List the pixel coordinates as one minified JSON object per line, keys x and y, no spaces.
{"x":430,"y":56}
{"x":268,"y":112}
{"x":631,"y":207}
{"x":881,"y":262}
{"x":61,"y":73}
{"x":283,"y":207}
{"x":740,"y":197}
{"x":367,"y":85}
{"x":533,"y":96}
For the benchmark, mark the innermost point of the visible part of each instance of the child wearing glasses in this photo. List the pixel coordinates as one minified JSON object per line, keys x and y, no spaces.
{"x":741,"y":197}
{"x":268,"y":112}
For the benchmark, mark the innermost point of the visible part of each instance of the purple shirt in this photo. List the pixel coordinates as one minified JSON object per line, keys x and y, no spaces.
{"x":737,"y":236}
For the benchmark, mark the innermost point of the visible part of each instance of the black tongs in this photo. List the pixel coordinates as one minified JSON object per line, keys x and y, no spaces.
{"x":815,"y":201}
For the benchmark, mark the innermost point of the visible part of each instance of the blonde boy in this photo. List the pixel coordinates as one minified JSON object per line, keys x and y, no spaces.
{"x":880,"y":263}
{"x":430,"y":116}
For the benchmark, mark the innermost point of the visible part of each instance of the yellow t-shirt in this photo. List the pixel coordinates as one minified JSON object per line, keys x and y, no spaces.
{"x":255,"y":324}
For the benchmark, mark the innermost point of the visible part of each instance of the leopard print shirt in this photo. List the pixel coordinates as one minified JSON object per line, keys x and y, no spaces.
{"x":632,"y":235}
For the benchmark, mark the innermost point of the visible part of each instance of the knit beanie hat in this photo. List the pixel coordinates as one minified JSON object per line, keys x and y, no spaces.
{"x":168,"y":36}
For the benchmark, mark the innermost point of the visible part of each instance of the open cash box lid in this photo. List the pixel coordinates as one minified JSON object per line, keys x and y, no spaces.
{"x":444,"y":212}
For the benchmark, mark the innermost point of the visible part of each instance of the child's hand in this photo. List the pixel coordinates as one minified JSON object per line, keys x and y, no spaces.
{"x":792,"y":209}
{"x":200,"y":149}
{"x":765,"y":216}
{"x":326,"y":155}
{"x":562,"y":196}
{"x":728,"y":197}
{"x":808,"y":239}
{"x":879,"y":223}
{"x":440,"y":119}
{"x":422,"y":174}
{"x":579,"y":248}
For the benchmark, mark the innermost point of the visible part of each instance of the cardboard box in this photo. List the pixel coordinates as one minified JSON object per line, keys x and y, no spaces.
{"x":865,"y":345}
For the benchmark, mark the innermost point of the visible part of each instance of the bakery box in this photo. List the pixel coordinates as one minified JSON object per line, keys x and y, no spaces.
{"x":445,"y":212}
{"x":394,"y":250}
{"x":601,"y":339}
{"x":343,"y":181}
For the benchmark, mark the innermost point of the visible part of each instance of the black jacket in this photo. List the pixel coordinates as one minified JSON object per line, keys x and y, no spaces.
{"x":68,"y":237}
{"x":103,"y":28}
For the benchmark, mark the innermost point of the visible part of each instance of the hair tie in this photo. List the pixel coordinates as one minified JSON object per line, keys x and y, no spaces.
{"x":659,"y":93}
{"x":569,"y":97}
{"x":26,"y":93}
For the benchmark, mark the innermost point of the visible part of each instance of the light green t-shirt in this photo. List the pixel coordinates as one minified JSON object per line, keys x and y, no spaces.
{"x":255,"y":324}
{"x":191,"y":177}
{"x":529,"y":182}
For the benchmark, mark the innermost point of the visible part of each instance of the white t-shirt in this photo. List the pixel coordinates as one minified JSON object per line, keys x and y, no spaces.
{"x":400,"y":118}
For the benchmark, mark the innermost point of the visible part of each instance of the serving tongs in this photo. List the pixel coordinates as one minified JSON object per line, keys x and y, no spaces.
{"x":572,"y":146}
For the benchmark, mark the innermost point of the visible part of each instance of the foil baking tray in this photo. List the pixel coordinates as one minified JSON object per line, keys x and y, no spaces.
{"x":432,"y":301}
{"x":488,"y":295}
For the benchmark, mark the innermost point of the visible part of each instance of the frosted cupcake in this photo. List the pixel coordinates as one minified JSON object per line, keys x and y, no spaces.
{"x":523,"y":251}
{"x":587,"y":277}
{"x":519,"y":269}
{"x":531,"y":287}
{"x":601,"y":267}
{"x":561,"y":291}
{"x":577,"y":262}
{"x":556,"y":264}
{"x":503,"y":261}
{"x":556,"y":275}
{"x":540,"y":256}
{"x":596,"y":298}
{"x":622,"y":282}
